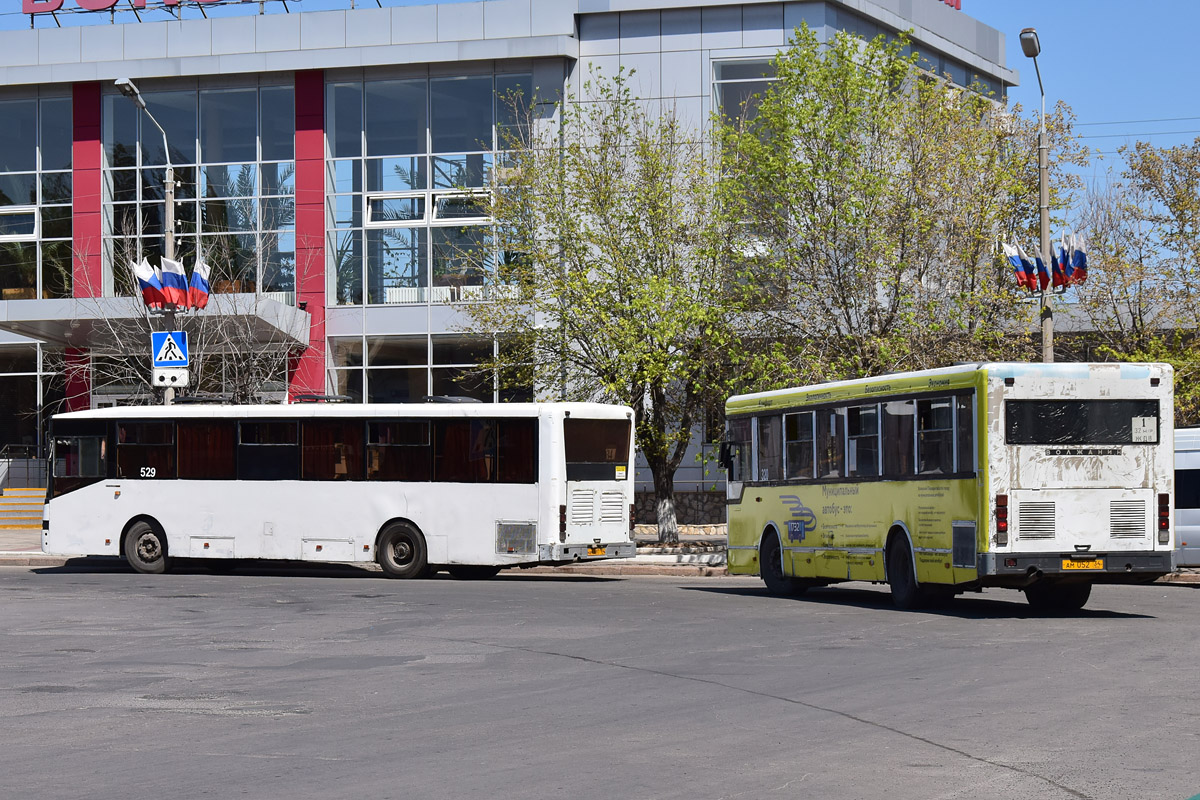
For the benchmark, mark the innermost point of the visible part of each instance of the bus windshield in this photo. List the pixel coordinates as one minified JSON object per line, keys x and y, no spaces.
{"x":596,"y":449}
{"x":1081,"y":422}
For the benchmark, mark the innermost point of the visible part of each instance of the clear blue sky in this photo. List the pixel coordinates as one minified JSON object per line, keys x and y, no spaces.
{"x":1116,"y":62}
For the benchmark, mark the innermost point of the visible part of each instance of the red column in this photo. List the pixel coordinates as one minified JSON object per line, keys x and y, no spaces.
{"x":87,"y":264}
{"x":307,"y":373}
{"x":78,"y":379}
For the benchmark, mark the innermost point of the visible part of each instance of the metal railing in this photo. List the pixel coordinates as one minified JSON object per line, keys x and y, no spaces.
{"x":20,"y":467}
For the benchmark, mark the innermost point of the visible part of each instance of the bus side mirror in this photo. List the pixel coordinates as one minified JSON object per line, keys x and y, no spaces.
{"x":725,"y":457}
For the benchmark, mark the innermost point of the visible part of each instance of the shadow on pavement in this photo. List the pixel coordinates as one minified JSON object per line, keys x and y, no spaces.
{"x":264,"y":568}
{"x":964,"y":606}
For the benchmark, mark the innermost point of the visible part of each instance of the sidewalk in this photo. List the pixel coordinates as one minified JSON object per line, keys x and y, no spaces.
{"x":696,"y":555}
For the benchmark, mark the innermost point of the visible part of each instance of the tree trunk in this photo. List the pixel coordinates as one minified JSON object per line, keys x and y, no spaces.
{"x":664,"y":503}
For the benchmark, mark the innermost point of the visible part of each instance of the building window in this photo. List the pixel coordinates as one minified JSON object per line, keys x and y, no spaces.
{"x":740,"y":85}
{"x":406,"y":206}
{"x":35,"y":198}
{"x":233,"y":154}
{"x":406,"y":369}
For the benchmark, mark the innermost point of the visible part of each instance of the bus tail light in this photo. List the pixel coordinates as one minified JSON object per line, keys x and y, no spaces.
{"x":1164,"y":518}
{"x":1002,"y":519}
{"x":562,"y":522}
{"x":632,"y":516}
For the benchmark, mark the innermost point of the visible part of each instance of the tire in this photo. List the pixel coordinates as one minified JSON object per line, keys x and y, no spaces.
{"x":146,"y":548}
{"x":906,"y":594}
{"x":472,"y":572}
{"x":401,"y":551}
{"x":771,"y":569}
{"x":1057,"y":598}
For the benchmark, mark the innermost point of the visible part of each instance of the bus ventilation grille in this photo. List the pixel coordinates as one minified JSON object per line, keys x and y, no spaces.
{"x":516,"y":537}
{"x":1035,"y":521}
{"x":612,"y":507}
{"x":583,"y":506}
{"x":1127,"y":519}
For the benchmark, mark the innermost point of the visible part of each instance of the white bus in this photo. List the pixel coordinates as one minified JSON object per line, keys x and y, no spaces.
{"x":1187,"y":497}
{"x":466,"y":487}
{"x":1043,"y":477}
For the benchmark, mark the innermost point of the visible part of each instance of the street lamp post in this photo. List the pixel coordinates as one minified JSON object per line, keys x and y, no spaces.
{"x":127,"y":88}
{"x":1032,"y":47}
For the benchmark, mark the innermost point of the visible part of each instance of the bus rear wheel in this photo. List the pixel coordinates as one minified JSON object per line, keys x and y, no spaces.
{"x":771,"y":568}
{"x":146,"y":548}
{"x":401,"y":551}
{"x":472,"y":572}
{"x":1058,"y":597}
{"x":906,"y":594}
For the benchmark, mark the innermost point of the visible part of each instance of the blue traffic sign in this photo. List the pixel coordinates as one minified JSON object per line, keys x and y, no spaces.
{"x":169,"y":348}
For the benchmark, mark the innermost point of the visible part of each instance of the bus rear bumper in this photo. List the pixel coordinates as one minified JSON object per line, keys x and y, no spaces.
{"x":569,"y":553}
{"x":1010,"y":569}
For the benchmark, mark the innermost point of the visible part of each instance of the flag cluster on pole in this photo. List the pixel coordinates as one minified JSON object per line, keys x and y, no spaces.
{"x":169,"y":288}
{"x":1067,"y":268}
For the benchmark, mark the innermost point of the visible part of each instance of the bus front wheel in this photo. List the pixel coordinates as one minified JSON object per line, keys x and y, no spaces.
{"x":401,"y":551}
{"x":1058,"y":597}
{"x":146,"y":548}
{"x":771,"y":567}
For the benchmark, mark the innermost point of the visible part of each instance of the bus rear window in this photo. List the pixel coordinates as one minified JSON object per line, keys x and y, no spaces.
{"x":597,"y":449}
{"x":1081,"y":422}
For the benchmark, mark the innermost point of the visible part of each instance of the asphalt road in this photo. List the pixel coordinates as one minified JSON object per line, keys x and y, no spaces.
{"x":339,"y":683}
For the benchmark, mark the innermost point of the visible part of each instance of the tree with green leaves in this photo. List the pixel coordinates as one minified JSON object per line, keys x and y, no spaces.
{"x":879,"y":193}
{"x":1142,"y":296}
{"x":613,"y":271}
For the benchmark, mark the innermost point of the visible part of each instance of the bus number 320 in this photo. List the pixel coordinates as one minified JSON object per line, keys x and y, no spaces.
{"x":146,"y":472}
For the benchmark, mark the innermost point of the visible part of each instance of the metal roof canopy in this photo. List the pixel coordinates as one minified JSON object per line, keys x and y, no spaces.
{"x":230,"y":323}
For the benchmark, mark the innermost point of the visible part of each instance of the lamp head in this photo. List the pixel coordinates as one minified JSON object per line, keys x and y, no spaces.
{"x":127,"y":88}
{"x":1029,"y":43}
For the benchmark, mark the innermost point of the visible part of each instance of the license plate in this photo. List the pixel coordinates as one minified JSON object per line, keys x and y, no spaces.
{"x":1083,"y":563}
{"x":597,"y":551}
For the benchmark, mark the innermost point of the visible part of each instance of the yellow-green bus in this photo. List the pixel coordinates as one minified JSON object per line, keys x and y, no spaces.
{"x":1042,"y":477}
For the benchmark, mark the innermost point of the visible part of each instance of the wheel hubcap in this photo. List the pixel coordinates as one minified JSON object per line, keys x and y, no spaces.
{"x":402,"y":552}
{"x":148,"y":548}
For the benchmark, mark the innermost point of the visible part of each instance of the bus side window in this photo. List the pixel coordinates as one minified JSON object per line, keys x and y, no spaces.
{"x":898,"y":420}
{"x":737,"y":443}
{"x":770,"y":448}
{"x":935,"y":432}
{"x":206,"y":449}
{"x":831,"y":443}
{"x":331,"y":450}
{"x":146,"y":450}
{"x":862,"y":431}
{"x":268,"y":451}
{"x":1187,"y":488}
{"x":798,"y":445}
{"x":517,"y":451}
{"x":965,"y":422}
{"x":398,"y":450}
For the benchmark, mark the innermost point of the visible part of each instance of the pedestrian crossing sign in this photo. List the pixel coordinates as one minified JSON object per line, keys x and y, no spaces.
{"x":169,"y":348}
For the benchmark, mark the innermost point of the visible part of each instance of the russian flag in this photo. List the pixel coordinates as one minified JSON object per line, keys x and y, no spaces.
{"x":1014,"y":257}
{"x":149,"y":284}
{"x":1064,"y":258}
{"x":198,"y":286}
{"x":1079,"y":258}
{"x":1027,"y":265}
{"x":174,"y":283}
{"x":1042,"y":273}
